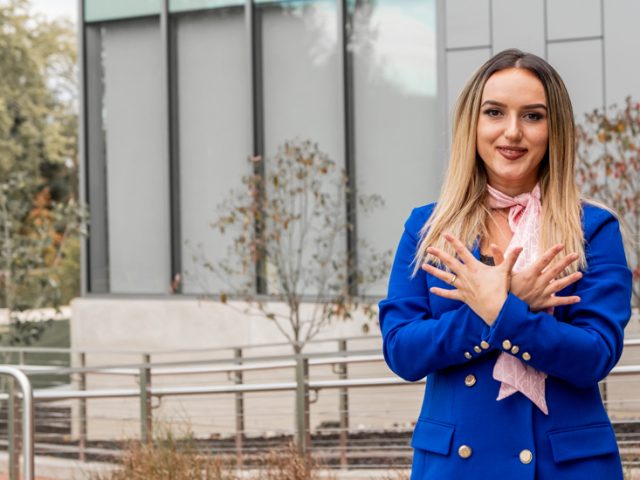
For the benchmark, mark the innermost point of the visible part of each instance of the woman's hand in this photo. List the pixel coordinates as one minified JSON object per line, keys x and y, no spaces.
{"x":537,"y":284}
{"x":482,"y":287}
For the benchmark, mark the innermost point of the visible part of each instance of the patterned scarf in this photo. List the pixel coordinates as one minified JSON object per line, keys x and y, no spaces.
{"x":525,"y":212}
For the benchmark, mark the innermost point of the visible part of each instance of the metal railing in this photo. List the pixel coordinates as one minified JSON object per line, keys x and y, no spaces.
{"x":304,"y":382}
{"x":26,"y":395}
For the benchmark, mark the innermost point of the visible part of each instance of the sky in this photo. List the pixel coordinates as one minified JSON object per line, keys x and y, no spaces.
{"x":56,"y":8}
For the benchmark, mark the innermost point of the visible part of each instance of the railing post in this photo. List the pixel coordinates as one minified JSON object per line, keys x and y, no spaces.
{"x":82,"y":384}
{"x":302,"y":404}
{"x":344,"y":408}
{"x":27,"y":417}
{"x":239,"y":410}
{"x":12,"y":434}
{"x":146,"y":433}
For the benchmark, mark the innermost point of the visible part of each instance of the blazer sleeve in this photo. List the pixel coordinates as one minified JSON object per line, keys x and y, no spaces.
{"x":585,"y":342}
{"x":415,"y":343}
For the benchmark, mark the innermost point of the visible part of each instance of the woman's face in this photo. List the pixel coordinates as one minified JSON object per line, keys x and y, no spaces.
{"x":513,"y":133}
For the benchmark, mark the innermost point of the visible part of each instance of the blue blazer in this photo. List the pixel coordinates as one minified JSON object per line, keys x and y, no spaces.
{"x":463,"y":431}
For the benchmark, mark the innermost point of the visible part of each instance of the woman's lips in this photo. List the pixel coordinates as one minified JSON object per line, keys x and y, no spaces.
{"x":511,"y":153}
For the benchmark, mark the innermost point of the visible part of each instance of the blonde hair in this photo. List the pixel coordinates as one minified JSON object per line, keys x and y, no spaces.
{"x":461,"y":209}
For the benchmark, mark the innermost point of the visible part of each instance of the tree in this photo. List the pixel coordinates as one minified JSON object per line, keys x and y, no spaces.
{"x":609,"y":171}
{"x":40,"y":218}
{"x":289,"y":229}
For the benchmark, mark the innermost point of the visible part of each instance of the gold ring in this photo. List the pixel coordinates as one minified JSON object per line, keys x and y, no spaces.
{"x":453,"y":279}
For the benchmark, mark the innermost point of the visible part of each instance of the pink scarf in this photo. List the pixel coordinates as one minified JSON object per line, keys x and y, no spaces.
{"x":524,"y":219}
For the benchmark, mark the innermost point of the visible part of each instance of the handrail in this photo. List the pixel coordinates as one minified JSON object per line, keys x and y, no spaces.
{"x":27,"y":418}
{"x":204,"y":366}
{"x":45,"y":395}
{"x":181,"y":351}
{"x":211,"y":361}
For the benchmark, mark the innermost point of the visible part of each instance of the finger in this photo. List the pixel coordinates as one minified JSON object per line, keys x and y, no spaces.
{"x":460,"y":248}
{"x":556,"y":285}
{"x":445,"y":293}
{"x":546,"y":258}
{"x":498,"y":255}
{"x":554,"y":271}
{"x":437,"y":272}
{"x":511,"y":258}
{"x":452,"y":263}
{"x":560,"y":301}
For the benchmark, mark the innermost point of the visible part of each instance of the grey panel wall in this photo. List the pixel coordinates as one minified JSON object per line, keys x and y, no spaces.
{"x":580,"y":65}
{"x":215,"y":133}
{"x":137,"y":166}
{"x":568,"y":19}
{"x":460,"y":66}
{"x":622,"y":50}
{"x":468,"y":23}
{"x":509,"y":31}
{"x":590,"y":42}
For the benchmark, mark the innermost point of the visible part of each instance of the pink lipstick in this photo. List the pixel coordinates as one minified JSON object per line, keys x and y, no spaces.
{"x":511,"y":153}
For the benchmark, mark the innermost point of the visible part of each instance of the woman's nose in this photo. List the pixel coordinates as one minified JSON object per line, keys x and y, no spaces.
{"x":513,"y":132}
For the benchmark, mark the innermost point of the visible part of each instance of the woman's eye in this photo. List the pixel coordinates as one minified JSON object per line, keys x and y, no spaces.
{"x":492,"y":112}
{"x":533,"y":116}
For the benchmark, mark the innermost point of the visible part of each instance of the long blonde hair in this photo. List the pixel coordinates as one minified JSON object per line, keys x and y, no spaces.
{"x":461,"y":208}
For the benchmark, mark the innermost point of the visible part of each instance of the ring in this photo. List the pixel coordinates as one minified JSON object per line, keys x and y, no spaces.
{"x":453,"y":279}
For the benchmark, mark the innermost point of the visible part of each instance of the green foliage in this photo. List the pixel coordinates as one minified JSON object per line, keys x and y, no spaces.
{"x":292,"y":223}
{"x":609,"y":171}
{"x":40,"y":218}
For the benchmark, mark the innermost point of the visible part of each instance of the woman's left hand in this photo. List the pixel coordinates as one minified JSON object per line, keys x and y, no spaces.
{"x":483,"y":288}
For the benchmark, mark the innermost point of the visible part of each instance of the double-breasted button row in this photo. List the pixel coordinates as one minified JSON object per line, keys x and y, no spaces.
{"x":525,"y":456}
{"x":515,"y":349}
{"x":484,"y":345}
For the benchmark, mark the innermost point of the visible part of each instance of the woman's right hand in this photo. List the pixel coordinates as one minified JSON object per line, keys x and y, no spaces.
{"x":538,"y":284}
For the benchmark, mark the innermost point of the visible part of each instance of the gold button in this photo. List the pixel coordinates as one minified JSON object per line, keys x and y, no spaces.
{"x":526,"y":356}
{"x":477,"y":349}
{"x":464,"y":451}
{"x":526,"y":456}
{"x":470,"y":380}
{"x":467,"y":355}
{"x":515,"y":349}
{"x":506,"y":345}
{"x":484,"y":344}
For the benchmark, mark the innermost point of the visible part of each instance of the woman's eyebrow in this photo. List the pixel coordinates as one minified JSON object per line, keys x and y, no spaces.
{"x":527,"y":107}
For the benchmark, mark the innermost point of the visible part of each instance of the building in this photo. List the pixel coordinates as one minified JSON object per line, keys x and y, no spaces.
{"x":178,"y":93}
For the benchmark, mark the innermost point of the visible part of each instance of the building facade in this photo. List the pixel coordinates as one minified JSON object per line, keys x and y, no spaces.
{"x":177,"y":94}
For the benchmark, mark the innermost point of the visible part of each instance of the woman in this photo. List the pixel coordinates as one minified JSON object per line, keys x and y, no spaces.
{"x":515,"y":343}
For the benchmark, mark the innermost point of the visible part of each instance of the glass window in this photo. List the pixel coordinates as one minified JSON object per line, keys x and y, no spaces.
{"x":214,"y":115}
{"x":134,"y":111}
{"x":98,"y":10}
{"x":398,"y":130}
{"x":302,"y":88}
{"x":186,"y":5}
